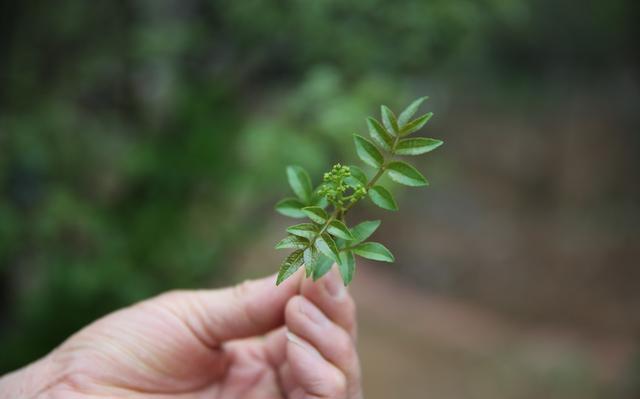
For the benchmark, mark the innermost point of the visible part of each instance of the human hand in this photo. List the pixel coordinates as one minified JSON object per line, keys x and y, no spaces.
{"x":210,"y":344}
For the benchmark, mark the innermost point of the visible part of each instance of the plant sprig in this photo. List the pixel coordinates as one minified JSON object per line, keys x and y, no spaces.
{"x":326,"y":238}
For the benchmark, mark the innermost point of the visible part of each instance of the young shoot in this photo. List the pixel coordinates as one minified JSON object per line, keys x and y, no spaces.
{"x":325,"y":238}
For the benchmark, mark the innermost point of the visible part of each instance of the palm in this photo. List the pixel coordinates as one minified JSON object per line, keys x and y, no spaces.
{"x":252,"y":374}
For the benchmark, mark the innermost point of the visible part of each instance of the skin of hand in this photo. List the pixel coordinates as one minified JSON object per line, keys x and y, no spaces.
{"x":255,"y":340}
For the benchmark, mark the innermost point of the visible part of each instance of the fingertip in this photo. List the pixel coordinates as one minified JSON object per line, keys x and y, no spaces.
{"x":291,"y":284}
{"x":264,"y":292}
{"x":304,"y":319}
{"x":292,"y":309}
{"x":312,"y":372}
{"x":251,"y":308}
{"x":331,"y":296}
{"x":275,"y":344}
{"x":301,"y":343}
{"x":334,"y":285}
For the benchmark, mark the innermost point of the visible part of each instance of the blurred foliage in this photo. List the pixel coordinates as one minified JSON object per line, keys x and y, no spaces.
{"x":134,"y":135}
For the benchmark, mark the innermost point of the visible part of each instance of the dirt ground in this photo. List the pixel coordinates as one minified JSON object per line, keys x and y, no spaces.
{"x":416,"y":345}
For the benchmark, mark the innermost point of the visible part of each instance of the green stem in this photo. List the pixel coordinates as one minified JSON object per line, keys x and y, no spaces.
{"x":339,"y":213}
{"x":395,"y":143}
{"x":370,"y":184}
{"x":377,"y":176}
{"x":324,"y":227}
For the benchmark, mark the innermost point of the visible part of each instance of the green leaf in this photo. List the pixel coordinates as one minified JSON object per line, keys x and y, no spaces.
{"x":363,"y":230}
{"x":415,"y":124}
{"x":310,"y":260}
{"x":289,"y":266}
{"x":338,"y":229}
{"x":368,"y":152}
{"x":300,"y":183}
{"x":347,"y":266}
{"x":291,"y":207}
{"x":417,"y":146}
{"x":292,"y":241}
{"x":322,"y":267}
{"x":305,"y":230}
{"x":389,"y":120}
{"x":319,"y":201}
{"x":406,"y":174}
{"x":379,"y":134}
{"x":408,"y":112}
{"x":374,"y":251}
{"x":383,"y":198}
{"x":357,"y":177}
{"x":327,"y":246}
{"x":316,"y":214}
{"x":340,"y":242}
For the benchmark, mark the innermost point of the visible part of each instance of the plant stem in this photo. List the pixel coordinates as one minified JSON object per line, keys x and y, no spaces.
{"x":370,"y":184}
{"x":324,"y":227}
{"x":339,"y":213}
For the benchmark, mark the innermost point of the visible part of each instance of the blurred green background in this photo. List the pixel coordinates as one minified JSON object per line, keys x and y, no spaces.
{"x":143,"y":145}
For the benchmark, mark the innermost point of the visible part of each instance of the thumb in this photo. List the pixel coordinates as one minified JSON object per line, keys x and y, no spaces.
{"x":253,"y":307}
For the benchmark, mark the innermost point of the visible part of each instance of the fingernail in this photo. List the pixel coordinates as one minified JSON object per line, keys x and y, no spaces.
{"x":311,"y":312}
{"x":334,"y":286}
{"x":294,"y":339}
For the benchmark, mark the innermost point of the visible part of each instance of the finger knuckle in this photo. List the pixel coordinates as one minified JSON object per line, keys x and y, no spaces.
{"x":69,"y":367}
{"x":344,"y":346}
{"x":240,"y":291}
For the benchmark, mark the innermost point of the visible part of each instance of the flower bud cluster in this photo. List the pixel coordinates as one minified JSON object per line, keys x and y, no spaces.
{"x":359,"y":192}
{"x":335,"y":187}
